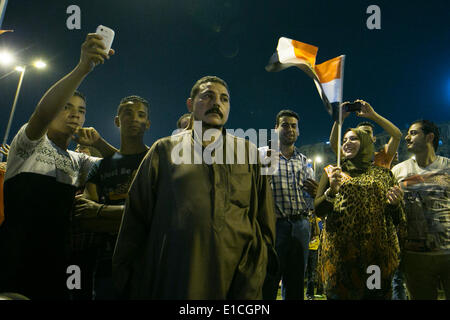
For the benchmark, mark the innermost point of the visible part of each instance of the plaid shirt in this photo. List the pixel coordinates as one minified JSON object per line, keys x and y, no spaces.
{"x":287,"y":185}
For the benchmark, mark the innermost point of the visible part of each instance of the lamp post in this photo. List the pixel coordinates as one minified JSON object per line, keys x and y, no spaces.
{"x":38,"y":64}
{"x":16,"y":97}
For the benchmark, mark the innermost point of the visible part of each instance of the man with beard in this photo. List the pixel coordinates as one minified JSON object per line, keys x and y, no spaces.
{"x":290,"y":185}
{"x":197,"y":229}
{"x":425,"y":181}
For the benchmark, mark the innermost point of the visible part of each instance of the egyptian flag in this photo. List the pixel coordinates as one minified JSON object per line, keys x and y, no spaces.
{"x":329,"y":81}
{"x":3,"y":4}
{"x":293,"y":53}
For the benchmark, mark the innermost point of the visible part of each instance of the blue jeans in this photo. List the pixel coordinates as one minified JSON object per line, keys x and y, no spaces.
{"x":398,"y":286}
{"x":292,"y":247}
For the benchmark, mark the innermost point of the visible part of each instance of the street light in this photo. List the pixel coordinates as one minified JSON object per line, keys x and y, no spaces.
{"x":39,"y":64}
{"x":6,"y":58}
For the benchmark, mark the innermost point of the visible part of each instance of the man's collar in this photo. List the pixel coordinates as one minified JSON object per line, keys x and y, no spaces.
{"x":295,"y":154}
{"x":198,"y":139}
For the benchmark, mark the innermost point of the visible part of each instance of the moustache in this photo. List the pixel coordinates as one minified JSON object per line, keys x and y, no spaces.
{"x":214,"y":110}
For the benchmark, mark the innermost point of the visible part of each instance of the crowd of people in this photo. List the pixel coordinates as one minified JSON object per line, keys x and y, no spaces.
{"x":140,"y":225}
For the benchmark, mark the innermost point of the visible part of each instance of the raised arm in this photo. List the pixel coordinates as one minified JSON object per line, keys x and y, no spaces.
{"x":334,"y":130}
{"x":59,"y":94}
{"x":396,"y":135}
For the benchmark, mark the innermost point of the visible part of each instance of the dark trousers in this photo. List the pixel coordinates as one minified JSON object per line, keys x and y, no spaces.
{"x":423,"y":273}
{"x":292,"y":247}
{"x":311,"y":273}
{"x":104,"y":288}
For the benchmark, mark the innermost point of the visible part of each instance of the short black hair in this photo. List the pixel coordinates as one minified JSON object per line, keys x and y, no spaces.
{"x":196,"y":88}
{"x":186,"y":115}
{"x":429,"y":127}
{"x":366,"y":123}
{"x":286,"y":113}
{"x":79,"y":94}
{"x":134,"y":98}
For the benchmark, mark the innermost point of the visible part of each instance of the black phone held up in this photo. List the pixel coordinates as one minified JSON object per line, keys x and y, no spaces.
{"x":352,"y":107}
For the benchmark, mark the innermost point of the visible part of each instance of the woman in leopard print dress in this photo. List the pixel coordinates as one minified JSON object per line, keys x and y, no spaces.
{"x":363,"y":214}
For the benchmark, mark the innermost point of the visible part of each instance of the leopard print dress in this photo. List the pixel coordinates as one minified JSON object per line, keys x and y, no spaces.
{"x":360,"y":232}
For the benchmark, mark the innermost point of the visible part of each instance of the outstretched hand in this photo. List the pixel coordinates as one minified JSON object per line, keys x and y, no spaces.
{"x":93,"y":52}
{"x":345,"y":114}
{"x":366,"y":110}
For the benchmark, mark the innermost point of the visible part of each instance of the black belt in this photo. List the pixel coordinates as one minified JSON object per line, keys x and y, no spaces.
{"x":294,"y":217}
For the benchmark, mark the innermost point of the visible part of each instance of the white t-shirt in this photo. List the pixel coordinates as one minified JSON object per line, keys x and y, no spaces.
{"x":427,"y":192}
{"x":44,"y":157}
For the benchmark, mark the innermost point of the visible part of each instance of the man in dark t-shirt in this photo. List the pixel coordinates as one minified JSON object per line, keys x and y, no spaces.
{"x":99,"y":210}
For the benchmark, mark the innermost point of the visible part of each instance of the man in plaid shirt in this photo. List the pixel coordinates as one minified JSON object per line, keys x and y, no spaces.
{"x":293,"y":189}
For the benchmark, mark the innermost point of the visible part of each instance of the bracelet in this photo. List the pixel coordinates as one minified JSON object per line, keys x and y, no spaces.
{"x":328,"y":197}
{"x":100,"y":210}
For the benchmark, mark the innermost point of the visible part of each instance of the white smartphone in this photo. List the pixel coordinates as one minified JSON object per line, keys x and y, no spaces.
{"x":108,"y":36}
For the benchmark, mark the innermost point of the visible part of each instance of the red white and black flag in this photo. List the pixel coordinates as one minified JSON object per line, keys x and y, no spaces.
{"x":3,"y":4}
{"x":327,"y":76}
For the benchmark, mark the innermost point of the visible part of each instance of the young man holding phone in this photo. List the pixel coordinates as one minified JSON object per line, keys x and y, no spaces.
{"x":41,"y":181}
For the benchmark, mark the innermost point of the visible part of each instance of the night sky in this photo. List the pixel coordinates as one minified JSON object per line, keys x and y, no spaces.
{"x":164,"y":46}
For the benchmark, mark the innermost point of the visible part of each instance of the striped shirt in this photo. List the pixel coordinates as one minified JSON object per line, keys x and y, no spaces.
{"x":287,"y":185}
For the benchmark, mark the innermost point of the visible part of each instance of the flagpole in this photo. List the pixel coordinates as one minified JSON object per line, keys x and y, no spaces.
{"x":13,"y":109}
{"x":340,"y":114}
{"x":3,"y":4}
{"x":339,"y":141}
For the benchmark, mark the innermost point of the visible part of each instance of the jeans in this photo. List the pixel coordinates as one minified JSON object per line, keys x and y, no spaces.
{"x":398,"y":286}
{"x":292,"y":247}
